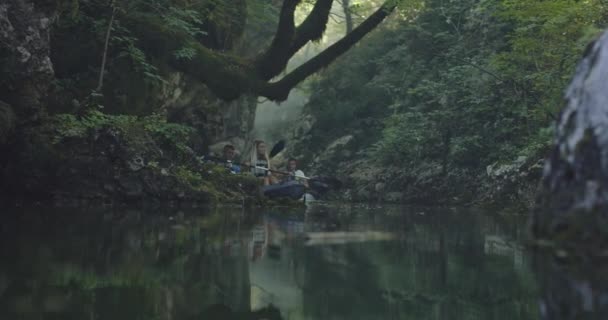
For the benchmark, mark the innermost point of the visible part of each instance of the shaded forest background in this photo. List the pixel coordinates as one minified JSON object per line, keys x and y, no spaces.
{"x":443,"y":101}
{"x":454,"y":103}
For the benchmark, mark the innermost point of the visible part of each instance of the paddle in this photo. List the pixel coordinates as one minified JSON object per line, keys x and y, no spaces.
{"x":277,"y":148}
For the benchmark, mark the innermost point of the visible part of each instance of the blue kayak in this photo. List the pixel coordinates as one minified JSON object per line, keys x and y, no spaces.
{"x":290,"y":189}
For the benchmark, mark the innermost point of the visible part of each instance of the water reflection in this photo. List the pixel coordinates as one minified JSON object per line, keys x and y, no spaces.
{"x":316,"y":263}
{"x":572,"y":287}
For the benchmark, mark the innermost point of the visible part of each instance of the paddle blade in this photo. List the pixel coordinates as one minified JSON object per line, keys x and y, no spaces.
{"x":278,"y":147}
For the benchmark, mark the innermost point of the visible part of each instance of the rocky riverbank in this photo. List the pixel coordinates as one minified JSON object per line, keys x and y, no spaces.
{"x":509,"y":184}
{"x":115,"y":159}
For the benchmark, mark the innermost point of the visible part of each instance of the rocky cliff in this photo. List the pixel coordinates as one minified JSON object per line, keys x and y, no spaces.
{"x":49,"y":60}
{"x":25,"y":63}
{"x":574,"y":195}
{"x":569,"y":222}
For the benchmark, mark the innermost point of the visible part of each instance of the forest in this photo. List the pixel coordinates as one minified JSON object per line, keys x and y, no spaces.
{"x":303,"y":159}
{"x":404,"y":99}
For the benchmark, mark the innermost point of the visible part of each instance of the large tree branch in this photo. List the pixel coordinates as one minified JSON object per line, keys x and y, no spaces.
{"x":229,"y":76}
{"x":279,"y":91}
{"x":313,"y":27}
{"x":274,"y":60}
{"x":288,"y":39}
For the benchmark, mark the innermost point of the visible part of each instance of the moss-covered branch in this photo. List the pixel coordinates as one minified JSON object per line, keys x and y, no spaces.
{"x":279,"y":90}
{"x":289,"y":39}
{"x":313,"y":27}
{"x":226,"y":75}
{"x":229,"y":76}
{"x":274,"y":60}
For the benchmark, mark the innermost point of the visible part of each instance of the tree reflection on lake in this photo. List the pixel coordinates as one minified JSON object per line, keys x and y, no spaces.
{"x":225,"y":263}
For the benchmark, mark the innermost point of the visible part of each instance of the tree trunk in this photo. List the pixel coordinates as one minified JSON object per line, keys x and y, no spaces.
{"x":348,"y":16}
{"x":229,"y":76}
{"x":105,"y":51}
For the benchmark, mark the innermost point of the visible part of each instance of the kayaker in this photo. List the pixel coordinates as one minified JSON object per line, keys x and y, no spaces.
{"x":228,"y":154}
{"x":259,"y":160}
{"x":295,"y":173}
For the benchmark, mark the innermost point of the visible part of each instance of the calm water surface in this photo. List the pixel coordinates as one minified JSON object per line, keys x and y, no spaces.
{"x":324,"y":262}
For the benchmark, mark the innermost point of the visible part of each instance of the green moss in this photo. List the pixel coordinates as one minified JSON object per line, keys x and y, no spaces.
{"x":226,"y":75}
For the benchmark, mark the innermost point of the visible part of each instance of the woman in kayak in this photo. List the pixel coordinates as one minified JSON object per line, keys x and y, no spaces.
{"x":260,"y":161}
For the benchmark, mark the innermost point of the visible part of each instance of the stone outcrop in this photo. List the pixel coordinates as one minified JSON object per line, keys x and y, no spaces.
{"x":515,"y":182}
{"x":105,"y":163}
{"x":25,"y":65}
{"x":570,"y":221}
{"x":574,"y":198}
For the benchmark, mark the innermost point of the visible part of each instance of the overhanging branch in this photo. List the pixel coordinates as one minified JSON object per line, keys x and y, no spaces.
{"x":274,"y":60}
{"x":279,"y":91}
{"x":313,"y":27}
{"x":227,"y":76}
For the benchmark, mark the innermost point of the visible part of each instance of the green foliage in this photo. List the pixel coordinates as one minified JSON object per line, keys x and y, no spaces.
{"x":452,"y":84}
{"x":185,"y":53}
{"x":68,"y":125}
{"x":184,"y":19}
{"x":173,"y":132}
{"x":457,"y":85}
{"x":136,"y":56}
{"x":546,"y":42}
{"x":188,"y":176}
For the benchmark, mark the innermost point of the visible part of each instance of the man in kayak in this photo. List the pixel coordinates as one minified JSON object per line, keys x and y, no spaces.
{"x":295,"y":173}
{"x":229,"y":154}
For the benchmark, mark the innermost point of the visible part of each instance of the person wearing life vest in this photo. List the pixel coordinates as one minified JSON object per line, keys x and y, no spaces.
{"x":260,"y":162}
{"x":294,"y":173}
{"x":229,"y":154}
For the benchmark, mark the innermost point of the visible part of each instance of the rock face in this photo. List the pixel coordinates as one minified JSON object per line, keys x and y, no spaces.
{"x":38,"y":71}
{"x":572,"y":209}
{"x":513,"y":183}
{"x":24,"y":55}
{"x":115,"y":165}
{"x":574,"y":195}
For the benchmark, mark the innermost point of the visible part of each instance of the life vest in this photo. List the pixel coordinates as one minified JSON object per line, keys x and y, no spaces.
{"x":259,"y":172}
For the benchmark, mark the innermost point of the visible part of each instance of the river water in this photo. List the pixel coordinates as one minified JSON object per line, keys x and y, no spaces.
{"x":322,"y":262}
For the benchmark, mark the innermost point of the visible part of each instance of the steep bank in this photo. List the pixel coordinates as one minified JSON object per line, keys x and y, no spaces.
{"x":136,"y":139}
{"x":116,"y":159}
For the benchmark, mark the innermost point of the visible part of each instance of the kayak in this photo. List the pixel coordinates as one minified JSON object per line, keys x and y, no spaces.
{"x":290,"y":189}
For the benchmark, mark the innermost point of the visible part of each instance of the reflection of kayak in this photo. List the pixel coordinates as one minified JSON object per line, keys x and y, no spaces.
{"x":290,"y":189}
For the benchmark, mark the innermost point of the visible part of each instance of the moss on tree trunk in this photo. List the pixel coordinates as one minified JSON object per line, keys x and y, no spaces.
{"x":229,"y":76}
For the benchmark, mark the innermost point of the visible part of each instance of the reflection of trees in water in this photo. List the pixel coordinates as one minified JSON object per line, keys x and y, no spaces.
{"x":572,"y":288}
{"x":437,"y":270}
{"x":132,"y":264}
{"x":125,"y":265}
